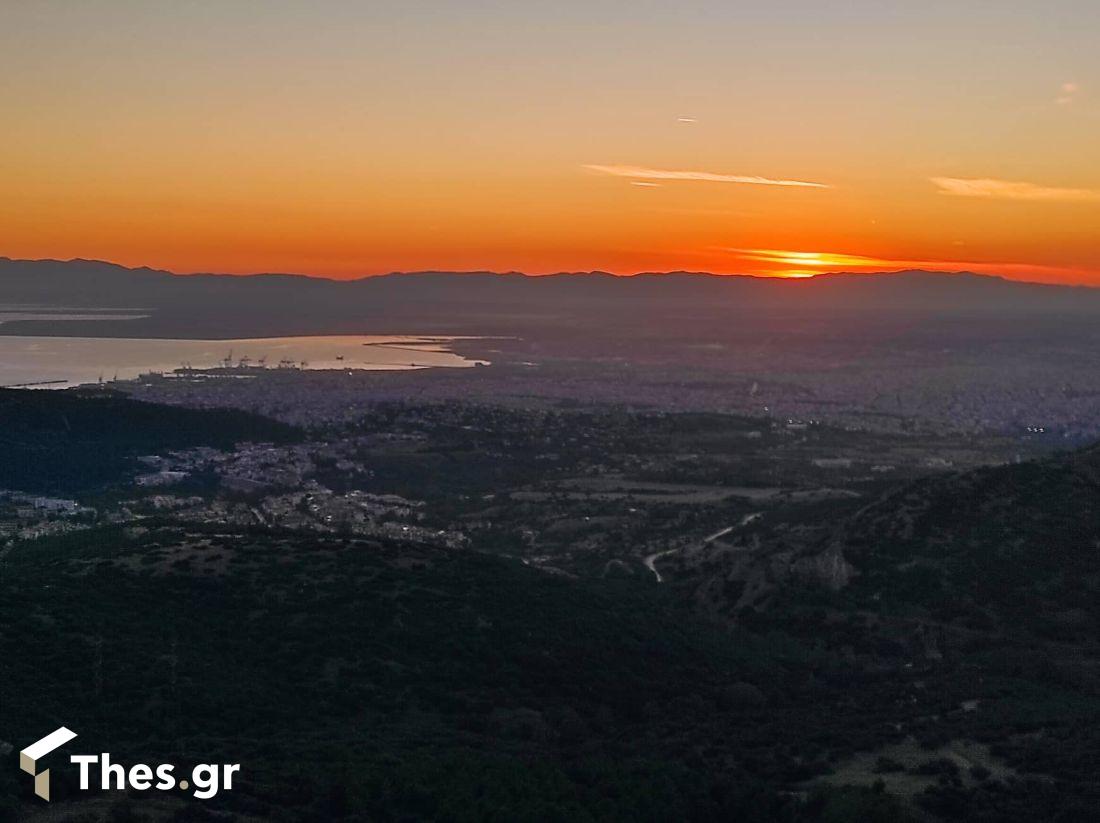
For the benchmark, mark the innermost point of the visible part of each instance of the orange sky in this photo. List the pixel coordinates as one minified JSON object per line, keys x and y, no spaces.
{"x":769,"y":138}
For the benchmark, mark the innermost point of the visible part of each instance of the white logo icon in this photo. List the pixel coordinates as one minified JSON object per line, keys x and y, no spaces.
{"x":29,"y":757}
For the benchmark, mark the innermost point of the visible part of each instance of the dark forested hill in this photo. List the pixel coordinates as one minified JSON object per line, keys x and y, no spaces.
{"x":65,"y":442}
{"x":401,"y":682}
{"x":981,"y":588}
{"x":1010,"y":547}
{"x":1018,"y":543}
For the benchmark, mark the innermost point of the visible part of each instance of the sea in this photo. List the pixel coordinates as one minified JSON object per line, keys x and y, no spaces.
{"x":64,"y":362}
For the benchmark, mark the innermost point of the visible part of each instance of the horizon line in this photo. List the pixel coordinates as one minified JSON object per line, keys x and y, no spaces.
{"x":578,"y":273}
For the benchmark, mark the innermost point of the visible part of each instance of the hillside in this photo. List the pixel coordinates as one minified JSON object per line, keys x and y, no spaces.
{"x":1018,"y":543}
{"x":1002,"y":551}
{"x":67,"y":442}
{"x":818,"y":658}
{"x":981,"y":588}
{"x":403,"y":682}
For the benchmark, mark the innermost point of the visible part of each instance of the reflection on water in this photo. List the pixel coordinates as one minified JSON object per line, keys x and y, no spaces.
{"x":69,"y":361}
{"x":10,"y":315}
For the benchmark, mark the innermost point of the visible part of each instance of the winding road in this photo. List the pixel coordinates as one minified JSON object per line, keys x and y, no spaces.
{"x":651,"y":560}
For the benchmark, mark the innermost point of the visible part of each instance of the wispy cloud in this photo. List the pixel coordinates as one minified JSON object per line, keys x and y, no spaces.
{"x":686,"y":120}
{"x":816,"y":259}
{"x":641,"y":173}
{"x":1066,"y":93}
{"x":1010,"y":190}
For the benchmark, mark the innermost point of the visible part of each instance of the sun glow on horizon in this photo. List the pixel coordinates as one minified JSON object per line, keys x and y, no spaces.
{"x":817,"y":259}
{"x":778,"y":260}
{"x":793,"y":264}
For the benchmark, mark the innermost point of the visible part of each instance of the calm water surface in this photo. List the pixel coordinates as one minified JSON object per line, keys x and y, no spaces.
{"x":60,"y":362}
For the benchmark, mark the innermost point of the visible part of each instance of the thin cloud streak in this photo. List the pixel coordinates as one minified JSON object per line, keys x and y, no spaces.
{"x":1067,"y":93}
{"x":808,"y":258}
{"x":642,"y":173}
{"x":1010,"y":190}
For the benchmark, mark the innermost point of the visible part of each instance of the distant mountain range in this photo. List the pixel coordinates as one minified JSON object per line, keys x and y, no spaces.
{"x":485,"y":302}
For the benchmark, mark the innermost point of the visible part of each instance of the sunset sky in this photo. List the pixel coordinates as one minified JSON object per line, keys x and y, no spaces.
{"x":346,"y":138}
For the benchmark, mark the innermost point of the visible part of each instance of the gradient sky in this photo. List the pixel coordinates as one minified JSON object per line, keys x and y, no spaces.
{"x":346,"y":138}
